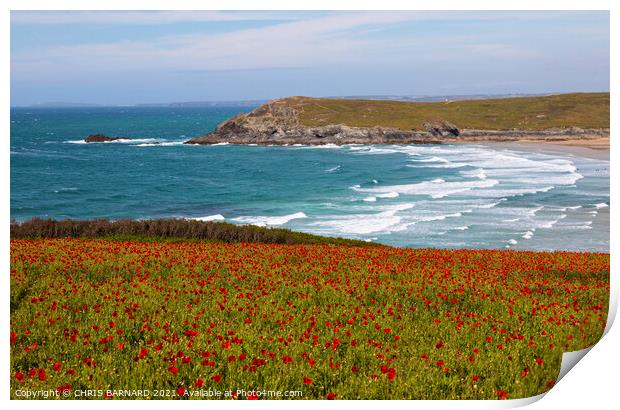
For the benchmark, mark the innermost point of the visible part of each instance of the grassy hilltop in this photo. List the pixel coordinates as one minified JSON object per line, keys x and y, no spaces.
{"x":583,"y":110}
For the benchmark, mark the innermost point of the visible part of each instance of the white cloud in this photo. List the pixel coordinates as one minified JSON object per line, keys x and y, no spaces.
{"x":318,"y":40}
{"x":311,"y":41}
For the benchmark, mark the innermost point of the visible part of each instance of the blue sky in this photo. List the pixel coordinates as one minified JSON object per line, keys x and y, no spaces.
{"x":110,"y":57}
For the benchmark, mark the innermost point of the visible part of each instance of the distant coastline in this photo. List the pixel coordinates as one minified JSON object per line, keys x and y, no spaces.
{"x":256,"y":102}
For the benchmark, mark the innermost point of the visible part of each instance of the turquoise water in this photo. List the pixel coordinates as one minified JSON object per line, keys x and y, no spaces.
{"x":448,"y":196}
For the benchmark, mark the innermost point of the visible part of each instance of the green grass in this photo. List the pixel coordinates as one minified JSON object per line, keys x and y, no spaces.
{"x":583,"y":110}
{"x":169,"y":230}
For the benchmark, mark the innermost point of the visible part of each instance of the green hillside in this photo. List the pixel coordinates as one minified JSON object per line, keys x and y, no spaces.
{"x":583,"y":110}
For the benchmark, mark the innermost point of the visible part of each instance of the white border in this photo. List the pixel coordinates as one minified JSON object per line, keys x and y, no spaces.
{"x":592,"y":384}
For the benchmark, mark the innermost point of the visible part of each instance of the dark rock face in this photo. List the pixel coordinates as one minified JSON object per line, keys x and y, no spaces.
{"x":100,"y":138}
{"x":441,"y":128}
{"x":330,"y":134}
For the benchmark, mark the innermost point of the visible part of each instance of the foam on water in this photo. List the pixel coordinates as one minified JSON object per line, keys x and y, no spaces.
{"x":363,"y":224}
{"x":208,"y":218}
{"x":476,"y":173}
{"x":388,"y":195}
{"x":162,"y":144}
{"x":324,"y":146}
{"x":69,"y":189}
{"x":492,"y":204}
{"x":437,"y":188}
{"x":334,"y":169}
{"x":433,"y":159}
{"x":528,"y":234}
{"x":549,"y":223}
{"x":383,"y":196}
{"x":138,"y":142}
{"x":269,"y":220}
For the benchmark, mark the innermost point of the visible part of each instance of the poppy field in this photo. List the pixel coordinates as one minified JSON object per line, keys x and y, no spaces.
{"x":331,"y":322}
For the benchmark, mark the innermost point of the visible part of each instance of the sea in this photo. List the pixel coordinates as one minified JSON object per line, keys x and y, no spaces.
{"x":470,"y":196}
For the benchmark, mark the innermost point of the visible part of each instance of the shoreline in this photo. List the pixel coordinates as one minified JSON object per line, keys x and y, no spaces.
{"x":597,"y":139}
{"x":594,"y":149}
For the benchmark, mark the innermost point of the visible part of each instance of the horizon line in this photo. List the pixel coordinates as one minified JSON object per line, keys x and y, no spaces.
{"x":75,"y":104}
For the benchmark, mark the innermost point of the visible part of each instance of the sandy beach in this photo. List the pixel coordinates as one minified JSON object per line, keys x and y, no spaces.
{"x":593,"y":148}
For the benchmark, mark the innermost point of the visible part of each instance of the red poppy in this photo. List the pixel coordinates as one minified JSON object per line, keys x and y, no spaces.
{"x":42,"y":375}
{"x":391,"y":374}
{"x":287,"y":360}
{"x":217,"y":378}
{"x":307,"y":380}
{"x":64,"y":388}
{"x":331,"y":396}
